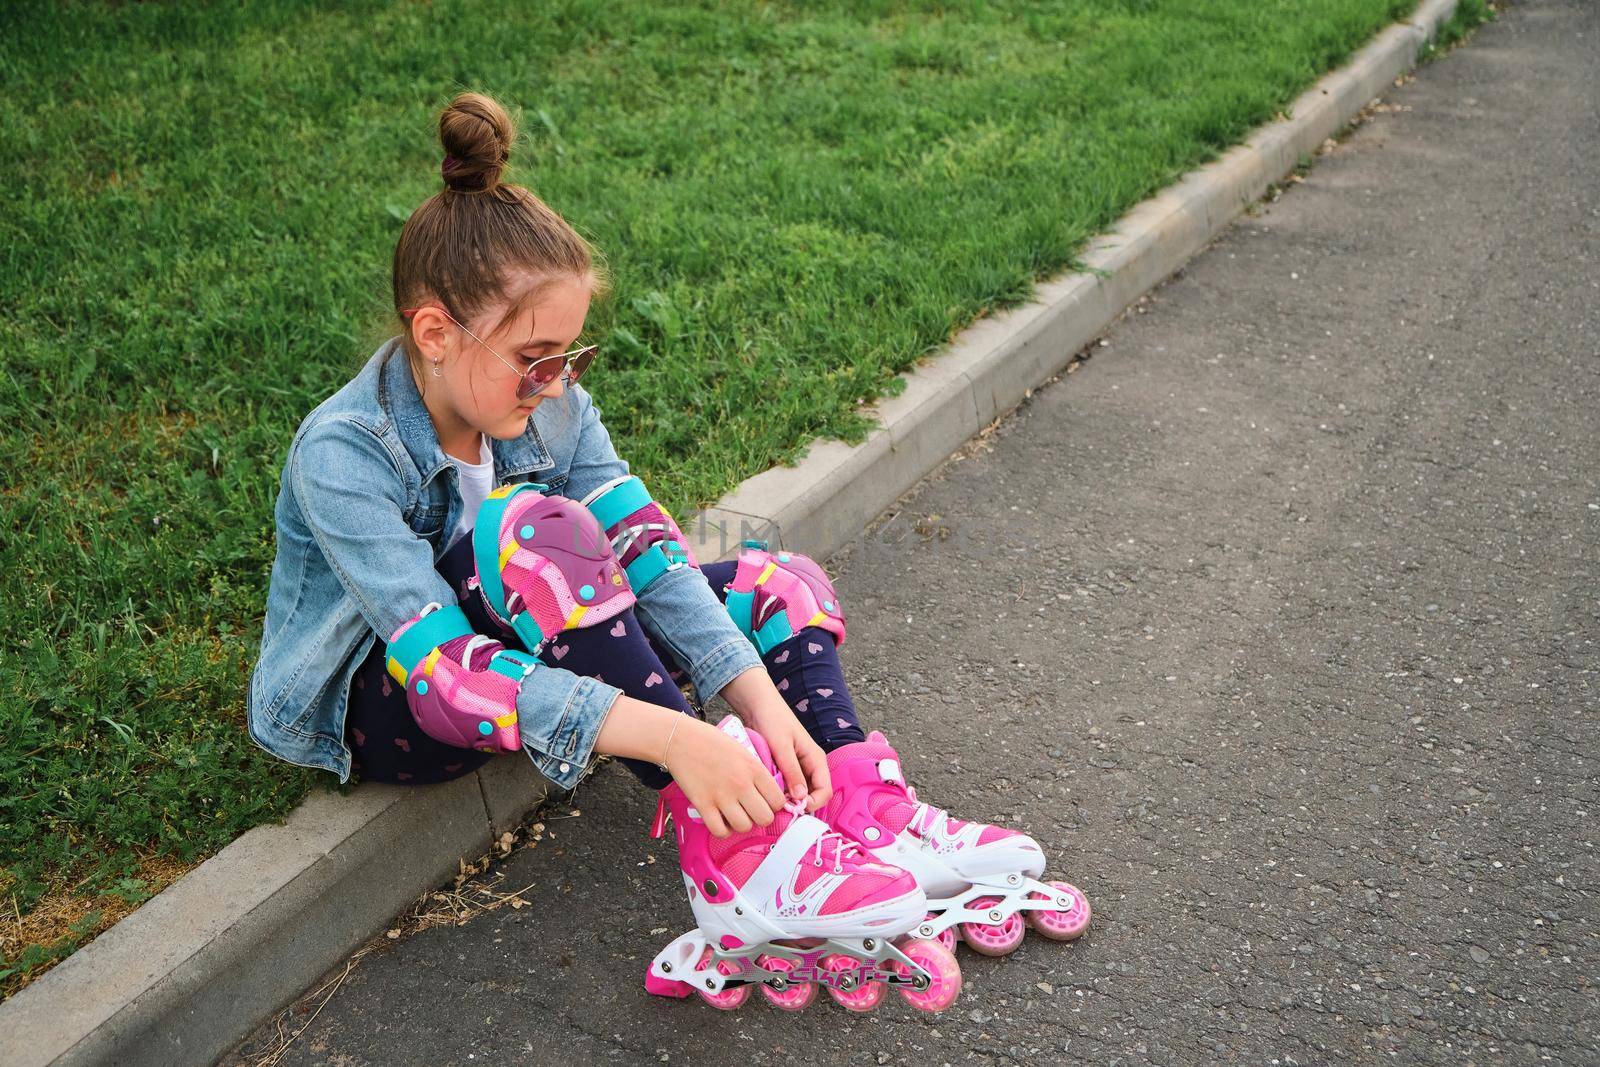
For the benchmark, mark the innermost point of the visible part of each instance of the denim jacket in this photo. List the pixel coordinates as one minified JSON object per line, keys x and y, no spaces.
{"x":364,"y":502}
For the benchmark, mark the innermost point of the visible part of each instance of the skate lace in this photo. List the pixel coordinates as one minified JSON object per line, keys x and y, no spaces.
{"x":843,"y":847}
{"x":927,"y":818}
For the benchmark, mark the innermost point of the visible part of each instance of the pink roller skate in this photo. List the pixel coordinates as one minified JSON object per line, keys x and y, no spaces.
{"x":792,"y":907}
{"x":981,"y":880}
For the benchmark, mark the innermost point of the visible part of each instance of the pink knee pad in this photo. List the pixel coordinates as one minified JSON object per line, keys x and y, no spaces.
{"x":544,"y":565}
{"x":774,"y":595}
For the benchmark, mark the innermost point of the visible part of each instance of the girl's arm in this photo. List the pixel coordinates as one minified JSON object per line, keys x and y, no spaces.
{"x":730,"y":790}
{"x":349,"y":492}
{"x":678,"y":608}
{"x":681,"y":612}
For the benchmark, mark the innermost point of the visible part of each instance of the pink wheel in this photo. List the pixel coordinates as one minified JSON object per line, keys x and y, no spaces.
{"x":731,"y":996}
{"x":1061,"y":924}
{"x":947,"y":936}
{"x":863,"y":997}
{"x":940,"y":963}
{"x":794,"y":998}
{"x":994,"y":939}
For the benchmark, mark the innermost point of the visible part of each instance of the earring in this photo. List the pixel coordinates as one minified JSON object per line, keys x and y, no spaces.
{"x":436,"y":373}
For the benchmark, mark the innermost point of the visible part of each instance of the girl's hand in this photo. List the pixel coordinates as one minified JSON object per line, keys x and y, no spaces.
{"x":727,"y":785}
{"x":799,"y":758}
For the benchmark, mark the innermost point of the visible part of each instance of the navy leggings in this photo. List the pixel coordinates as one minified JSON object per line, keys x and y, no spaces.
{"x":388,"y":746}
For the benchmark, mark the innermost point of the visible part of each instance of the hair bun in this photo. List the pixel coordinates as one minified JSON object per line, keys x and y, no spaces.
{"x":476,"y":134}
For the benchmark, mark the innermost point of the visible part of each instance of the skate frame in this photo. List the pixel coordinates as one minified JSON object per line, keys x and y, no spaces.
{"x":677,"y":963}
{"x":1010,"y":890}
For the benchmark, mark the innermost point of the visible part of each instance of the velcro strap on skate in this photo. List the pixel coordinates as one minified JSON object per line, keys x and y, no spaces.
{"x":425,"y":635}
{"x":779,"y":864}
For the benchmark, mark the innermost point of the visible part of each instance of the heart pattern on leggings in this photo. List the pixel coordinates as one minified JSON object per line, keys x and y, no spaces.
{"x":558,"y":651}
{"x":800,"y":705}
{"x":824,"y":692}
{"x":813,"y":648}
{"x":842,"y":724}
{"x":402,"y":744}
{"x":620,"y":629}
{"x":654,"y":679}
{"x":781,"y":656}
{"x":783,"y":683}
{"x":361,"y":738}
{"x":387,"y":688}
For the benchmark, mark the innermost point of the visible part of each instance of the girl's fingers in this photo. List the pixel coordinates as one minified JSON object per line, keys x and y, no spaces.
{"x":789,"y":766}
{"x":713,"y":821}
{"x":756,"y":807}
{"x":738,"y":821}
{"x":817,"y":776}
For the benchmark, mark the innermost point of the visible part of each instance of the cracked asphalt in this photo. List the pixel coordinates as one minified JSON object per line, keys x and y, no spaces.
{"x":1275,"y":622}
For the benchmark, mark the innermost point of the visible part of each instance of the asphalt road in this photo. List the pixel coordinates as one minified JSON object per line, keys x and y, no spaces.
{"x":1276,"y":623}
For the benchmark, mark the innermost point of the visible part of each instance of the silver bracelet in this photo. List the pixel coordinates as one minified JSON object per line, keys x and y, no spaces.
{"x":676,"y":719}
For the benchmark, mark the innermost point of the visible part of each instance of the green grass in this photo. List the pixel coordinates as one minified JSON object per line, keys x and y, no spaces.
{"x":1468,"y":16}
{"x":798,"y":201}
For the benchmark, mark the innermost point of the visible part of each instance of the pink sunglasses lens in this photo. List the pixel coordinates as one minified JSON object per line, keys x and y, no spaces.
{"x":580,"y":363}
{"x":547,"y":370}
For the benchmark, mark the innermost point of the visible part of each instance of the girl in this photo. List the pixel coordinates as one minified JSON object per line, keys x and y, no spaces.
{"x":465,"y":567}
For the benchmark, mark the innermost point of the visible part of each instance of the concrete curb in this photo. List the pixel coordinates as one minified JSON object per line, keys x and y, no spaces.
{"x":184,"y":977}
{"x":193,"y":970}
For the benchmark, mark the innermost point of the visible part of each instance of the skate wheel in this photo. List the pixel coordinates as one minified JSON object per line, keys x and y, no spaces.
{"x":795,"y":998}
{"x":994,"y":939}
{"x":946,"y":937}
{"x":864,"y":997}
{"x":941,"y":965}
{"x":1061,"y":924}
{"x":732,"y":996}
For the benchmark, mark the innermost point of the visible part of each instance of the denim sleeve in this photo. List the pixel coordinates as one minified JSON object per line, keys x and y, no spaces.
{"x":349,"y":491}
{"x":679,"y":609}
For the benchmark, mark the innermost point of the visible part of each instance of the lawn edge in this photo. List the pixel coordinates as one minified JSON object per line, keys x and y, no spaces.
{"x":197,"y":967}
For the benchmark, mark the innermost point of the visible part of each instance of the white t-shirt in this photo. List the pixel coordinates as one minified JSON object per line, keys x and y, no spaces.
{"x":477,"y":482}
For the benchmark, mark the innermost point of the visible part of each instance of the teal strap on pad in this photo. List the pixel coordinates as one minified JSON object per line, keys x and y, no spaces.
{"x":511,"y":663}
{"x":427,"y":634}
{"x":620,"y":502}
{"x":528,"y":628}
{"x":486,"y":547}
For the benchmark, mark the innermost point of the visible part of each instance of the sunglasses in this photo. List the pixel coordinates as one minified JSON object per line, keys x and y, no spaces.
{"x":542,"y":371}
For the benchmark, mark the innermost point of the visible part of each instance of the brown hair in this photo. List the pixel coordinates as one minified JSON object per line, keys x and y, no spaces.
{"x":462,"y":244}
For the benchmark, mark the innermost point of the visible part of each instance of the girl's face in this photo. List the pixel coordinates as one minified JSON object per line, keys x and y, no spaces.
{"x":480,"y":390}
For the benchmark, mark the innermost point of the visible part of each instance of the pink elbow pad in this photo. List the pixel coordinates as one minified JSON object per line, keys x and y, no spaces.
{"x":461,"y":686}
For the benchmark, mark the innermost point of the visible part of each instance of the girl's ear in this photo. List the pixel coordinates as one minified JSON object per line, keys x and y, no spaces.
{"x":431,"y":329}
